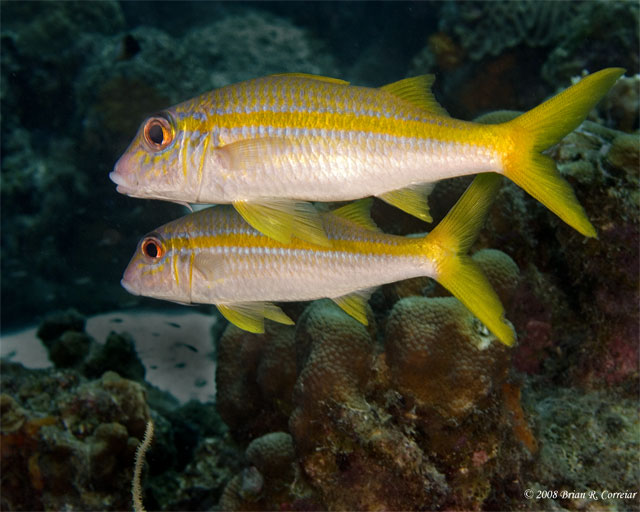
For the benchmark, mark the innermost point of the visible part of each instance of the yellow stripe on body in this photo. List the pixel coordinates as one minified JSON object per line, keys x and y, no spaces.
{"x":493,"y":138}
{"x":388,"y":245}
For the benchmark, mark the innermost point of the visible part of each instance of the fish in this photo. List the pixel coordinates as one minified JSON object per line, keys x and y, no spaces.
{"x":271,"y":145}
{"x":214,"y":257}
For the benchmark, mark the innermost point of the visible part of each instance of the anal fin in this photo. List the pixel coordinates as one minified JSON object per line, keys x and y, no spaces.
{"x":281,"y":219}
{"x":412,"y":200}
{"x":250,"y":316}
{"x":355,"y":304}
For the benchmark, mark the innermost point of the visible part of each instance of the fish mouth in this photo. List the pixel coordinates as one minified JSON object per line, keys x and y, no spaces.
{"x":123,"y":186}
{"x":128,"y":287}
{"x":117,"y":178}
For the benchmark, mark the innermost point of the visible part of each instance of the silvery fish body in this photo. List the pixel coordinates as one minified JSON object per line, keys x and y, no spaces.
{"x":268,"y":144}
{"x":299,"y":137}
{"x":213,"y":256}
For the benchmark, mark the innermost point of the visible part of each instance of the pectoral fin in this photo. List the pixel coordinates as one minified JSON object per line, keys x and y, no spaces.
{"x":355,"y":304}
{"x":209,"y":267}
{"x":412,"y":200}
{"x":247,"y":154}
{"x":280,"y":219}
{"x":250,"y":315}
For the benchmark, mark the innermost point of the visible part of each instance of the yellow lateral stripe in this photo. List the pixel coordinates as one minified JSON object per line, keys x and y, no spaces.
{"x":444,"y":129}
{"x":401,"y":246}
{"x":453,"y":130}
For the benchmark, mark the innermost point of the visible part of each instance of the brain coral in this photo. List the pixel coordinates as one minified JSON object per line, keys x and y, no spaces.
{"x":421,"y":362}
{"x":352,"y":456}
{"x":268,"y":478}
{"x":501,"y":271}
{"x":254,"y":378}
{"x":272,"y":454}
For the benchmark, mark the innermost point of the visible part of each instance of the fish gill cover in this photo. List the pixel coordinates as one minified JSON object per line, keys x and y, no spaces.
{"x":327,"y":414}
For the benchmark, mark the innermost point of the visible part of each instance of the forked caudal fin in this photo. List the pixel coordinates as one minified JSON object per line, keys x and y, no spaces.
{"x":541,"y":128}
{"x":447,"y":246}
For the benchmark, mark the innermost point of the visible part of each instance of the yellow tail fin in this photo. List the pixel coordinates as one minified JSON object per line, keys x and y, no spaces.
{"x":447,"y":246}
{"x":544,"y":126}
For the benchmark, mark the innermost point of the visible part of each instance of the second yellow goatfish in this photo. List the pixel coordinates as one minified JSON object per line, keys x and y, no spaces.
{"x":270,"y":144}
{"x":214,"y":257}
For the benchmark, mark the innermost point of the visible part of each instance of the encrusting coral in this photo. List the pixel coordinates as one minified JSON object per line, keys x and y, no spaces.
{"x":68,"y":443}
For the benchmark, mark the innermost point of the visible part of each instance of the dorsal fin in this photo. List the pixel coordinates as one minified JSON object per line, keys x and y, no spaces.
{"x":417,"y":90}
{"x":358,"y":212}
{"x":319,"y":78}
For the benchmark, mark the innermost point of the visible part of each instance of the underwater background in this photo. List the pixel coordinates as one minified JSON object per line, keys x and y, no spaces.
{"x":405,"y":414}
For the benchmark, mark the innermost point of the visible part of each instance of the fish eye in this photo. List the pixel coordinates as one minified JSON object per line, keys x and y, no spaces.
{"x":158,"y":133}
{"x":152,"y":247}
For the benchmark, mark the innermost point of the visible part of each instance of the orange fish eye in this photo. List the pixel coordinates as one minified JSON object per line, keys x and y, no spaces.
{"x":152,"y":247}
{"x":158,"y":133}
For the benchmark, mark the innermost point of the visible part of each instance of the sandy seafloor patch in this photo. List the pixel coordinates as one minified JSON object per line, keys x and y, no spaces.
{"x":176,"y":348}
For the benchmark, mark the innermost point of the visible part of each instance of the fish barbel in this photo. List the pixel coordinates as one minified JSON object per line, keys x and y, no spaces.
{"x":214,"y":257}
{"x":270,"y":144}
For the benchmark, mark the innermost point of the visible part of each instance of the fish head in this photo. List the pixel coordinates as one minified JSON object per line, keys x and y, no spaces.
{"x":159,"y":268}
{"x":156,"y":164}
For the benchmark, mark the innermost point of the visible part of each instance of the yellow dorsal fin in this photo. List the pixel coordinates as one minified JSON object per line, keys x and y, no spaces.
{"x":417,"y":90}
{"x":355,"y":304}
{"x":319,"y":78}
{"x":358,"y":212}
{"x":412,"y":200}
{"x":250,"y":315}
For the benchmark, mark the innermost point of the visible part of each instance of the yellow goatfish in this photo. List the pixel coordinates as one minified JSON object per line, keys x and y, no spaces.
{"x":270,"y":144}
{"x":214,"y":257}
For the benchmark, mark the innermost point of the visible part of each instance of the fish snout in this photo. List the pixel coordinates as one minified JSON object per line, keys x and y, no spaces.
{"x":123,"y":177}
{"x":128,"y":283}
